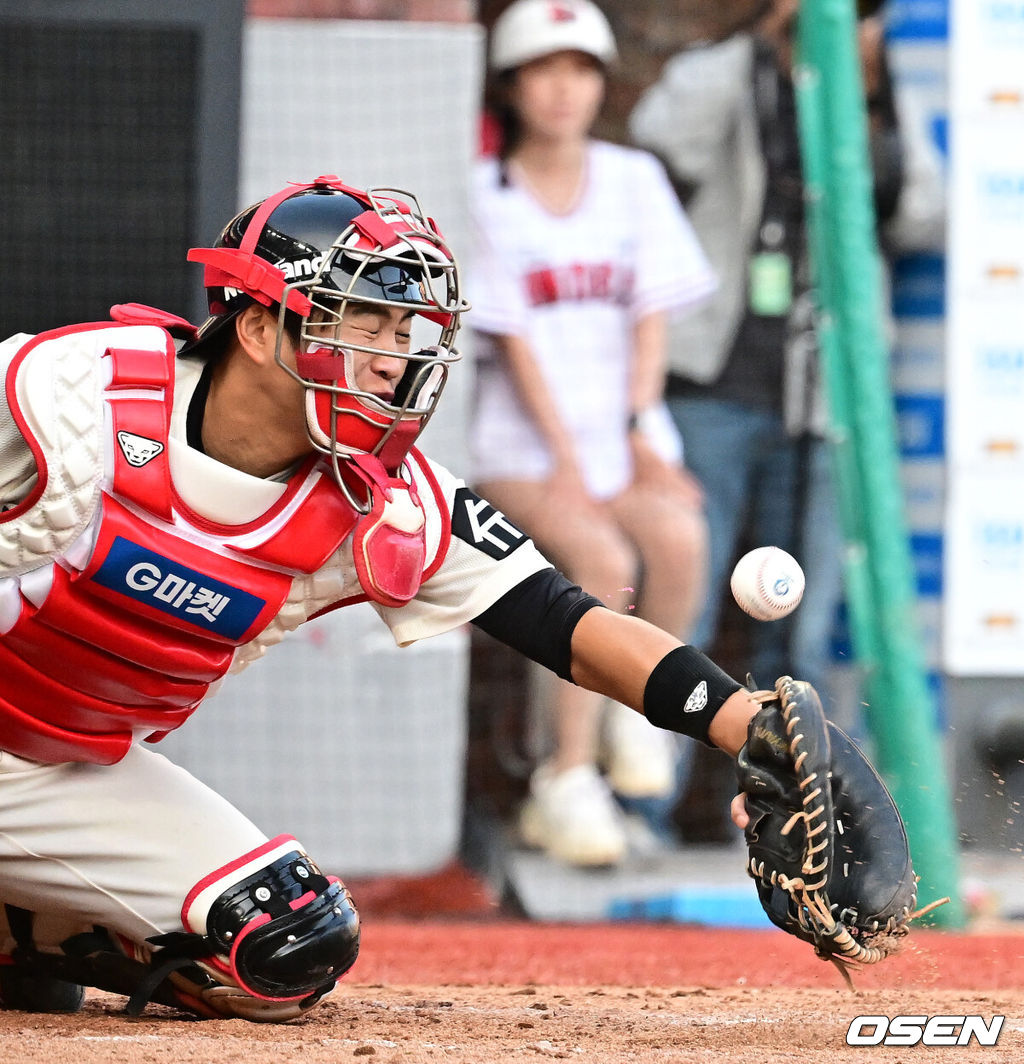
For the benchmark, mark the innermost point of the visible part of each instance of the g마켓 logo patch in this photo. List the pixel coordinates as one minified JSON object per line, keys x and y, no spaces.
{"x":165,"y":584}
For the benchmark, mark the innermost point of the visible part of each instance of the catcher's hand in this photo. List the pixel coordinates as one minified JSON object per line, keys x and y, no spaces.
{"x":826,"y":844}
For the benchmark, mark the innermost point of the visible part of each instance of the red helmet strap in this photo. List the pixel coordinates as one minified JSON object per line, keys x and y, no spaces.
{"x":242,"y":268}
{"x":271,"y":203}
{"x":320,"y":365}
{"x":235,"y":268}
{"x":263,"y":212}
{"x":371,"y":225}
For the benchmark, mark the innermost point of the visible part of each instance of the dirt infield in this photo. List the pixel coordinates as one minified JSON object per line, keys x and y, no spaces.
{"x":485,"y":992}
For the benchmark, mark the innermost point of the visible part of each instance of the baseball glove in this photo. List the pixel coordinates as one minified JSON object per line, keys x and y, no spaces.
{"x":826,"y":844}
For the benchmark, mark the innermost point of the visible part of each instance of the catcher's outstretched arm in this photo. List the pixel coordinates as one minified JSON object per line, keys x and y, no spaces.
{"x":554,"y":622}
{"x":675,"y":686}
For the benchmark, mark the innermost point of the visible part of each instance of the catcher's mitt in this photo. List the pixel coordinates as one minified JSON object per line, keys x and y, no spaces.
{"x":826,"y":844}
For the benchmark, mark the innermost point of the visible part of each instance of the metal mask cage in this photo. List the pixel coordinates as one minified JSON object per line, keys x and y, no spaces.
{"x":415,"y":272}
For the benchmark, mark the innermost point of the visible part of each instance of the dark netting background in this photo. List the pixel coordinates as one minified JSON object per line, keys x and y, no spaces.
{"x":97,"y":160}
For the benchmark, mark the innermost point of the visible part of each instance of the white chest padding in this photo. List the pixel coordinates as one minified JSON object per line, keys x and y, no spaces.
{"x":57,"y":382}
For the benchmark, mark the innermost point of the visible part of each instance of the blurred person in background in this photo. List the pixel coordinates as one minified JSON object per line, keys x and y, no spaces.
{"x":581,"y":252}
{"x":744,"y":380}
{"x":744,"y":383}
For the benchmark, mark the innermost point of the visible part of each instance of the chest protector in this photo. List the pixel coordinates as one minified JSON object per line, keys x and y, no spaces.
{"x":124,"y":606}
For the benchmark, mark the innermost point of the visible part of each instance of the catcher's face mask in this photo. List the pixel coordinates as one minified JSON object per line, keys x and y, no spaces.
{"x":386,"y":292}
{"x":373,"y":371}
{"x":330,"y":254}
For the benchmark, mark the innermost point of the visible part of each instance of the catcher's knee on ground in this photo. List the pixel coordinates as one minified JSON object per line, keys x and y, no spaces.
{"x":266,"y":937}
{"x":270,"y":933}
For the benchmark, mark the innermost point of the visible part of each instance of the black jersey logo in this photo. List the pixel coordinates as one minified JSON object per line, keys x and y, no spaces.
{"x":477,"y":522}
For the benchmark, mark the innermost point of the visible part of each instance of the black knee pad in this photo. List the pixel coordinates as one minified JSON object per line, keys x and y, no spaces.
{"x":275,"y":923}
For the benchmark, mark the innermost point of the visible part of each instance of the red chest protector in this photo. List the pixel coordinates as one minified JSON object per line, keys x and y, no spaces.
{"x":127,"y":641}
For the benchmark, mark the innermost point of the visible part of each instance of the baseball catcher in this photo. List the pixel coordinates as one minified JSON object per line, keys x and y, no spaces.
{"x":827,"y":848}
{"x":174,"y":500}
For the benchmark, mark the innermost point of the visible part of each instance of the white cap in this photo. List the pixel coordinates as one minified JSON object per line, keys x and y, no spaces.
{"x":529,"y":29}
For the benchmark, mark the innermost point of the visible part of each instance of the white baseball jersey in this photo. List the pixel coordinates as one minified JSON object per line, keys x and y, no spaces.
{"x":484,"y":558}
{"x":121,"y":844}
{"x":573,"y":285}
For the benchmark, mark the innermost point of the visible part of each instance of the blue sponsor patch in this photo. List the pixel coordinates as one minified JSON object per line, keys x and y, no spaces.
{"x":173,"y":588}
{"x":926,"y":555}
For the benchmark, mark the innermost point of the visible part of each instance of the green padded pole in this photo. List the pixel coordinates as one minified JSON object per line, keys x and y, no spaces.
{"x":855,"y":361}
{"x":848,"y":485}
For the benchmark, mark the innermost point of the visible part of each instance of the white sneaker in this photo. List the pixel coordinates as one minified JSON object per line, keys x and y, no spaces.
{"x":573,"y":817}
{"x":639,"y":758}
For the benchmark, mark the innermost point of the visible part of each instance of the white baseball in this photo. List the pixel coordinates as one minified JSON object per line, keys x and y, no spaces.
{"x":767,"y":583}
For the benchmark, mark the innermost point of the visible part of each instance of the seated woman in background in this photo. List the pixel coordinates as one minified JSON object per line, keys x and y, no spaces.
{"x":581,"y":250}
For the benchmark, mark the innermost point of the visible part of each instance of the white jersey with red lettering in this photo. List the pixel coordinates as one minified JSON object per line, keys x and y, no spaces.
{"x":573,"y":285}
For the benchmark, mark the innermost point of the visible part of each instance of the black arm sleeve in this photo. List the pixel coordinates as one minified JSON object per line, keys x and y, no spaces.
{"x":538,"y":617}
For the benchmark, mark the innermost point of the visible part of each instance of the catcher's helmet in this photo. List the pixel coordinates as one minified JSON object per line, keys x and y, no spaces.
{"x":312,"y":250}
